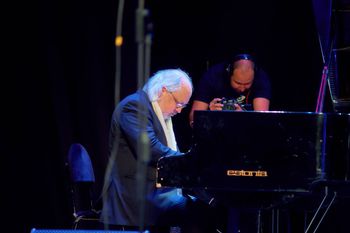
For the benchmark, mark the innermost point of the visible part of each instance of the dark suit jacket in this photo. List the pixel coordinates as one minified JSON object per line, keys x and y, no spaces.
{"x":121,"y":206}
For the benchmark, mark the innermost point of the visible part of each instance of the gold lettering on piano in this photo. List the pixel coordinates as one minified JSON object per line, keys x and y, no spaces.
{"x":257,"y":173}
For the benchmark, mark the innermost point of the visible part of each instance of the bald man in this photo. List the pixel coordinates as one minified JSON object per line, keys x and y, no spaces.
{"x":239,"y":79}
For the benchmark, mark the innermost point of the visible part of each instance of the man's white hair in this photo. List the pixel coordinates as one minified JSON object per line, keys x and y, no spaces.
{"x":171,"y":79}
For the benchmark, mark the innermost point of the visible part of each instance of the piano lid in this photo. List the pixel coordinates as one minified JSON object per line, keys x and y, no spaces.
{"x":289,"y":146}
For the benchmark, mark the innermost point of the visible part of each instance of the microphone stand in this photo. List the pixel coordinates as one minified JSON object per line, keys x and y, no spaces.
{"x":143,"y":148}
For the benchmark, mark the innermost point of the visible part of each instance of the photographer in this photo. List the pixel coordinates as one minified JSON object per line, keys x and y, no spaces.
{"x":240,"y":80}
{"x":237,"y":85}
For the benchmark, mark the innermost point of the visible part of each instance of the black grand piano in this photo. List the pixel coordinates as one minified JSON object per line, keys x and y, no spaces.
{"x":262,"y":152}
{"x":262,"y":157}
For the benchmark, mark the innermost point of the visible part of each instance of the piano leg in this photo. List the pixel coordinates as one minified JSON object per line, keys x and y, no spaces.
{"x":259,"y":222}
{"x":275,"y":220}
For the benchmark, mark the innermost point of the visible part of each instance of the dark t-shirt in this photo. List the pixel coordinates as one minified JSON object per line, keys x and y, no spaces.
{"x":215,"y":83}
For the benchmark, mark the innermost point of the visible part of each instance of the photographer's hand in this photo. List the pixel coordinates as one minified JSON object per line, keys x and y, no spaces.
{"x":238,"y":108}
{"x":216,"y":104}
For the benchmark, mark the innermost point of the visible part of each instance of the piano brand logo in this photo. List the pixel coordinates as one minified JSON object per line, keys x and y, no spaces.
{"x":257,"y":173}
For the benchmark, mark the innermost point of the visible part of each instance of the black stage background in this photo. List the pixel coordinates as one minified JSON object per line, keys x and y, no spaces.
{"x":59,"y":81}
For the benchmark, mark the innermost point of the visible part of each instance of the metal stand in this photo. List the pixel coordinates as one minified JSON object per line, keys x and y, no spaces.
{"x":143,"y":62}
{"x":322,"y":210}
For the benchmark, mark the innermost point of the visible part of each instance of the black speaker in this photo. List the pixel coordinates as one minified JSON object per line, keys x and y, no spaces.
{"x":243,"y":56}
{"x":79,"y":231}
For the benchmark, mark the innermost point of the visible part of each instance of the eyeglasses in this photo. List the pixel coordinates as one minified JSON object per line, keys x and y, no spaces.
{"x":178,"y":104}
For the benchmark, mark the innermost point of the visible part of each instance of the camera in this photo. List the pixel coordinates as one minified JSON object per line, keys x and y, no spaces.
{"x":229,"y":104}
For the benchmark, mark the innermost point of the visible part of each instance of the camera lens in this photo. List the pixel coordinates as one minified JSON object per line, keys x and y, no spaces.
{"x":229,"y":104}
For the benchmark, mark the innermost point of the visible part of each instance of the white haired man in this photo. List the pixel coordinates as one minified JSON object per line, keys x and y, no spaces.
{"x":164,"y":95}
